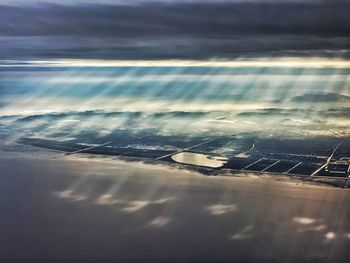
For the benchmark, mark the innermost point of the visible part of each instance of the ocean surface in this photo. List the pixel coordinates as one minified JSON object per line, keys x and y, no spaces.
{"x":63,"y":101}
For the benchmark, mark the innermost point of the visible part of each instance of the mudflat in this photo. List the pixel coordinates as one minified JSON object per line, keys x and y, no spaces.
{"x":78,"y":208}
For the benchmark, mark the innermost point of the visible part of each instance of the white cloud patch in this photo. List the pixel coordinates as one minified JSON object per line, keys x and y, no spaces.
{"x":245,"y":233}
{"x":159,"y":221}
{"x":221,"y":209}
{"x":304,"y":220}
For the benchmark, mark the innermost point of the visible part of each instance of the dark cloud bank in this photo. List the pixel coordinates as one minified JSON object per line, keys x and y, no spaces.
{"x":196,"y":30}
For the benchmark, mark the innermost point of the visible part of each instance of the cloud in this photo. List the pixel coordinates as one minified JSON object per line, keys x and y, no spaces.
{"x":321,"y":97}
{"x":304,"y":220}
{"x":3,"y":104}
{"x":138,"y":2}
{"x":105,"y":114}
{"x":267,"y":112}
{"x":172,"y":29}
{"x":195,"y":19}
{"x":220,"y":209}
{"x":339,"y":112}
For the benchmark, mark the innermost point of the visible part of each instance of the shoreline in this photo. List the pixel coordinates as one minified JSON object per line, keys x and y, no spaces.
{"x":45,"y":153}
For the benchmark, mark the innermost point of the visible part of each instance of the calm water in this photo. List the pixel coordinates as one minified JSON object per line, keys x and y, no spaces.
{"x":270,"y":101}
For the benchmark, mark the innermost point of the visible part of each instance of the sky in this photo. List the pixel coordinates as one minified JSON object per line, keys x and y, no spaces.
{"x":50,"y":42}
{"x":168,"y":29}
